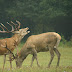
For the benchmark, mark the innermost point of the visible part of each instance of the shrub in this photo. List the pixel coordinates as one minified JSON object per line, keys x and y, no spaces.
{"x":65,"y":43}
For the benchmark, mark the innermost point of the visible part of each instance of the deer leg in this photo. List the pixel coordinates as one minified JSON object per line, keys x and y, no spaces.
{"x":4,"y":62}
{"x":32,"y":60}
{"x":37,"y":62}
{"x":58,"y":55}
{"x":10,"y":61}
{"x":35,"y":57}
{"x":52,"y":56}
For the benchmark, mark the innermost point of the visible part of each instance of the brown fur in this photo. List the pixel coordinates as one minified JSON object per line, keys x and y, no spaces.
{"x":11,"y":43}
{"x":39,"y":43}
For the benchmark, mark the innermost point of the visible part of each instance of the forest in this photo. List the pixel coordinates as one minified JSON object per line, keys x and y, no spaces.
{"x":39,"y":15}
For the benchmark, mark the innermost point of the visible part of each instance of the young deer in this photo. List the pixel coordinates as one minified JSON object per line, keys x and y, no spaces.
{"x":39,"y":43}
{"x":8,"y":45}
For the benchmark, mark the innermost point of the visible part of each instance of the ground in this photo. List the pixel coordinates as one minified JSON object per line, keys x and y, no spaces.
{"x":43,"y":57}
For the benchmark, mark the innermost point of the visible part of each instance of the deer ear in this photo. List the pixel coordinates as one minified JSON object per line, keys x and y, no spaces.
{"x":16,"y":32}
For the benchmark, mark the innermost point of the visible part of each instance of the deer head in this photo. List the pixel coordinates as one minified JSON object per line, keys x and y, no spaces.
{"x":18,"y":61}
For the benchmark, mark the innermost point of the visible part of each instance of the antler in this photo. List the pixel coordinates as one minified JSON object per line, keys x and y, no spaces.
{"x":11,"y":26}
{"x":18,"y":23}
{"x":14,"y":24}
{"x":4,"y":27}
{"x":16,"y":27}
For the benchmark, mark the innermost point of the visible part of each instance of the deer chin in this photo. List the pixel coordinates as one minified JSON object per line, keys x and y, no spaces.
{"x":28,"y":31}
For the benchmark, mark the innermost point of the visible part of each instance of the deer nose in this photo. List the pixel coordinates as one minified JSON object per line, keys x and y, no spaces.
{"x":28,"y":31}
{"x":27,"y":28}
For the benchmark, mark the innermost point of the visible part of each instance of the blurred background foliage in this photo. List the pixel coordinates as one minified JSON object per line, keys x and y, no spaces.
{"x":39,"y":15}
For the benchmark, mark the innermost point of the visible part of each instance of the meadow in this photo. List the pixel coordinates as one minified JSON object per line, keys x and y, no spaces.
{"x":44,"y":58}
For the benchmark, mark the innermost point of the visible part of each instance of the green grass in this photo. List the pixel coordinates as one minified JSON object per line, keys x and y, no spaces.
{"x":43,"y":57}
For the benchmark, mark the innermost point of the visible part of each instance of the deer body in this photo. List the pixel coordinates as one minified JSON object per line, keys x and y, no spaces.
{"x":11,"y":43}
{"x":8,"y":45}
{"x":39,"y":43}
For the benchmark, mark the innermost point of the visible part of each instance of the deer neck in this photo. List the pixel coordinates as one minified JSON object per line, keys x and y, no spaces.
{"x":22,"y":56}
{"x":17,"y":38}
{"x":23,"y":52}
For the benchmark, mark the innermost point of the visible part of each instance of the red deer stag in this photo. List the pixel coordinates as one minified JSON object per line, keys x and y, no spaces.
{"x":39,"y":43}
{"x":8,"y":45}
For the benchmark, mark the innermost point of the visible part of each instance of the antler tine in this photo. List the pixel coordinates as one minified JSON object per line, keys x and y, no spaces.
{"x":14,"y":24}
{"x":11,"y":26}
{"x":4,"y":27}
{"x":18,"y":23}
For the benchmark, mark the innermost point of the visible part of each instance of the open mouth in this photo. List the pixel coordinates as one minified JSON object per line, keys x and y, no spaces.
{"x":27,"y":30}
